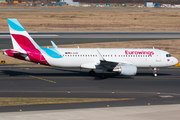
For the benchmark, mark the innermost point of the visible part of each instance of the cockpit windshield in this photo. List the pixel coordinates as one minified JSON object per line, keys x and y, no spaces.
{"x":168,"y":55}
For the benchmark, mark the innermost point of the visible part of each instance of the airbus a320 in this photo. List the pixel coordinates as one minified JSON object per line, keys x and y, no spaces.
{"x":125,"y":61}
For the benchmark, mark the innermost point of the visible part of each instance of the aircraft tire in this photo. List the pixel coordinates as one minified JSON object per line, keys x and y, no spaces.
{"x":92,"y":73}
{"x":155,"y":75}
{"x":102,"y":75}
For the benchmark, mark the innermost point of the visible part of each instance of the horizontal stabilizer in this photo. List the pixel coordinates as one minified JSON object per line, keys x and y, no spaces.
{"x":4,"y":49}
{"x":21,"y":54}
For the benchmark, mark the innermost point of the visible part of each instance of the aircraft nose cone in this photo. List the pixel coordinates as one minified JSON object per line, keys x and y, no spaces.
{"x":175,"y":61}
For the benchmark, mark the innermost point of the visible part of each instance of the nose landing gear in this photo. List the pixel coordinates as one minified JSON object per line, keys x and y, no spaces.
{"x":155,"y":72}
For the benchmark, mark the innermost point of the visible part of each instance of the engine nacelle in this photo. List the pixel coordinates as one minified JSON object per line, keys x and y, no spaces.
{"x":126,"y":70}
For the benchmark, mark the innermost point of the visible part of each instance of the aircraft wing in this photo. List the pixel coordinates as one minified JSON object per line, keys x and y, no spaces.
{"x":105,"y":64}
{"x":110,"y":64}
{"x":123,"y":67}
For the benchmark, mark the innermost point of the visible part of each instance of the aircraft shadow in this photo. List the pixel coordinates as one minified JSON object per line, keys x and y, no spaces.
{"x":151,"y":74}
{"x":114,"y":75}
{"x":18,"y":73}
{"x":65,"y":73}
{"x":75,"y":73}
{"x":108,"y":74}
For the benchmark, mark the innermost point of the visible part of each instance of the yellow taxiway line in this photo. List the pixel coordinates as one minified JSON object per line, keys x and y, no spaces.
{"x":42,"y":79}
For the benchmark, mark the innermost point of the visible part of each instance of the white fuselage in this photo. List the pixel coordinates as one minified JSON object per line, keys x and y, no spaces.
{"x":75,"y":57}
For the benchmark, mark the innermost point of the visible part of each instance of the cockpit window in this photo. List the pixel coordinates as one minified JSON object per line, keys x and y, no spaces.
{"x":168,"y":55}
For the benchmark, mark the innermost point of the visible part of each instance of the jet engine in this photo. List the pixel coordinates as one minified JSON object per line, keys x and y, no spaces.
{"x":126,"y":70}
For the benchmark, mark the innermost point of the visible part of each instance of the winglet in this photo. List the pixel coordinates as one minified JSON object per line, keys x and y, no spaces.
{"x":54,"y":45}
{"x":100,"y":56}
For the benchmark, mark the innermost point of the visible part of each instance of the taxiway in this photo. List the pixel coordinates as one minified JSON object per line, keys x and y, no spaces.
{"x":56,"y":82}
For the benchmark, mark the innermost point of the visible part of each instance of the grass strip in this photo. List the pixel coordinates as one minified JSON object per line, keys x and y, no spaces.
{"x":15,"y":101}
{"x":144,"y":20}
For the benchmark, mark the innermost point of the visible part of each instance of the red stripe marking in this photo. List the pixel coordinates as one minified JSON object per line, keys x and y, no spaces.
{"x":23,"y":41}
{"x":34,"y":54}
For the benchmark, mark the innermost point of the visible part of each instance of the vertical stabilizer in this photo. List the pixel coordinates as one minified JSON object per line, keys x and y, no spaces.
{"x":20,"y":38}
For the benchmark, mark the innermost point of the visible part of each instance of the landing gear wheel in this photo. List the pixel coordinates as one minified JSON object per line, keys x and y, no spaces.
{"x":92,"y":73}
{"x":155,"y":72}
{"x":155,"y":75}
{"x":102,"y":75}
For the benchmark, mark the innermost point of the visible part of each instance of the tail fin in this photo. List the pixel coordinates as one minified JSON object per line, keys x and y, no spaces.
{"x":20,"y":38}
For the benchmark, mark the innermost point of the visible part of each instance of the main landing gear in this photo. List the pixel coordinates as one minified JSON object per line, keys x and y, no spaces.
{"x":92,"y":73}
{"x":102,"y":75}
{"x":155,"y":72}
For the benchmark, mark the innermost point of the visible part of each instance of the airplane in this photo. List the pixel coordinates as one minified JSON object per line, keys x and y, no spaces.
{"x":124,"y":61}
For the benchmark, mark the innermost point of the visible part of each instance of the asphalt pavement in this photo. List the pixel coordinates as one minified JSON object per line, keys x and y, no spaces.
{"x":56,"y":82}
{"x":61,"y":38}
